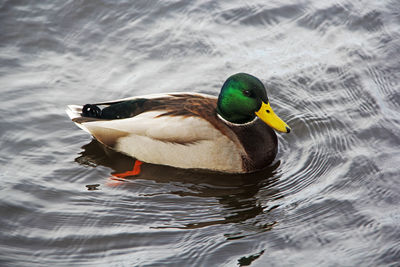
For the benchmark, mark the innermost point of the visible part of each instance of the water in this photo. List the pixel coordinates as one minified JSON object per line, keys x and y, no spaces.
{"x":329,"y":199}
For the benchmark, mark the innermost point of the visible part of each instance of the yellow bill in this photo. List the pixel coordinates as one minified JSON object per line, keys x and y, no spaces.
{"x":266,"y":114}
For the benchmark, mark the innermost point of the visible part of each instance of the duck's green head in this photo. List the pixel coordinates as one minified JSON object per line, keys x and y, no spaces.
{"x":243,"y":97}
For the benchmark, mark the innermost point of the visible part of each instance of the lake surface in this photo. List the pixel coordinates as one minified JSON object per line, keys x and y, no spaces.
{"x":331,"y":197}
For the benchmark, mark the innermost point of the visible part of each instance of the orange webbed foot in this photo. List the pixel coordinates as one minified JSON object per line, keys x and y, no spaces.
{"x":119,"y":178}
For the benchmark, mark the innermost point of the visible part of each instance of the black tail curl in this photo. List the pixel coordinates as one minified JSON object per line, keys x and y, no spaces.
{"x":92,"y":111}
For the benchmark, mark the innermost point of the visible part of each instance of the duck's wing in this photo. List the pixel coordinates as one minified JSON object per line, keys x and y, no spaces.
{"x":179,"y":118}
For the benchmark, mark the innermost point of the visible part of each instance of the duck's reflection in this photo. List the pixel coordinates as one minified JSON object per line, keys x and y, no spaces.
{"x":237,"y":193}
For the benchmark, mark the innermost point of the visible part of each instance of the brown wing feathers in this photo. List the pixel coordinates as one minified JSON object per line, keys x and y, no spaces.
{"x":178,"y":105}
{"x":185,"y":105}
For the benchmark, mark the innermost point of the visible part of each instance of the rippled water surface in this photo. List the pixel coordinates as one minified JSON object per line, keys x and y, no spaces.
{"x":331,"y":198}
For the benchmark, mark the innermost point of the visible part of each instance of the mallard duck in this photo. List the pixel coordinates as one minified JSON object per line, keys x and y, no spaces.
{"x":232,"y":133}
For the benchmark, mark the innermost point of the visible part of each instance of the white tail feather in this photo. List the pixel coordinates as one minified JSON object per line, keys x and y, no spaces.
{"x":74,"y":111}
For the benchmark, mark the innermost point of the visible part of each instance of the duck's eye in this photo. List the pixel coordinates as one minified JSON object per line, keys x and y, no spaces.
{"x":247,"y":93}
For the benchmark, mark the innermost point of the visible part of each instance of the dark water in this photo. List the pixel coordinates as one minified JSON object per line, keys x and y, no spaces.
{"x":331,"y":198}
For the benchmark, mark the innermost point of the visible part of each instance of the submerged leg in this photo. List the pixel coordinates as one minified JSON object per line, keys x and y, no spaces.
{"x":135,"y":171}
{"x":119,"y":178}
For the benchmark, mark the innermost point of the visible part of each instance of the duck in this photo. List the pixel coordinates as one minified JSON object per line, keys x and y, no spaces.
{"x":231,"y":133}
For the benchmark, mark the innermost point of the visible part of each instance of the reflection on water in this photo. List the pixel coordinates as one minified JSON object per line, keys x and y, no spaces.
{"x":236,"y":194}
{"x":331,"y":70}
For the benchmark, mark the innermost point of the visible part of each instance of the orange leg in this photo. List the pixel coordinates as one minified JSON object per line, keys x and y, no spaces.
{"x":118,"y":178}
{"x":133,"y":172}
